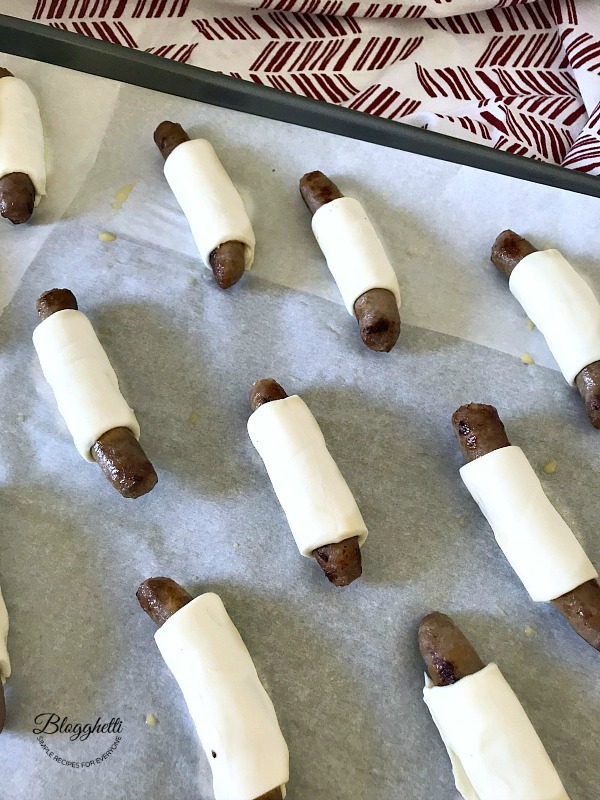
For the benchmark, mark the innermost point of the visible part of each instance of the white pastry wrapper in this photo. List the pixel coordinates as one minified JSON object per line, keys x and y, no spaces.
{"x":317,"y":502}
{"x":354,"y":253}
{"x":233,"y":714}
{"x":21,"y":134}
{"x":535,"y":539}
{"x":83,"y":381}
{"x":213,"y":206}
{"x":4,"y":659}
{"x":493,"y":747}
{"x":562,"y":306}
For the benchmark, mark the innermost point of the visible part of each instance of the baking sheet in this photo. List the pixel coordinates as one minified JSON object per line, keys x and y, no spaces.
{"x":341,"y":666}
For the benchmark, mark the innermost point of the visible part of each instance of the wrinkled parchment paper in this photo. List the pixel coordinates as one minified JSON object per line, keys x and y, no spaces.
{"x":341,"y":666}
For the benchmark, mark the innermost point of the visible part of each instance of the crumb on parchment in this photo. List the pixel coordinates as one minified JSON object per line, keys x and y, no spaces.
{"x":193,"y":417}
{"x":550,"y":466}
{"x":530,"y":630}
{"x":105,"y":236}
{"x":530,"y":325}
{"x":527,"y":359}
{"x":151,"y":720}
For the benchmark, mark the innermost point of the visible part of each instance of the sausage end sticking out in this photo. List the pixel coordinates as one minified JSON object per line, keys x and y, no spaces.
{"x":378,"y":319}
{"x":168,"y":136}
{"x":447,"y":653}
{"x":228,"y":263}
{"x":4,"y":73}
{"x":17,"y":197}
{"x":581,"y":607}
{"x":376,"y":311}
{"x":317,"y":190}
{"x":508,"y":249}
{"x":117,"y":452}
{"x":341,"y":562}
{"x":274,"y":794}
{"x":588,"y":384}
{"x":160,"y":598}
{"x":55,"y":300}
{"x":264,"y":391}
{"x":479,"y":430}
{"x":2,"y":705}
{"x":122,"y":459}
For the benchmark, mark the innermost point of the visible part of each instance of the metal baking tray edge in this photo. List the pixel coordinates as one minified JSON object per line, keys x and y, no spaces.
{"x":73,"y":51}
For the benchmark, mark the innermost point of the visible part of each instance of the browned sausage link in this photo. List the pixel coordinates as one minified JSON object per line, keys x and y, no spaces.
{"x":446,"y":651}
{"x":228,"y":260}
{"x":588,"y":383}
{"x":17,"y":197}
{"x":479,"y":430}
{"x":228,"y":263}
{"x":168,"y":136}
{"x":341,"y":562}
{"x":2,"y":705}
{"x":55,"y":300}
{"x":161,"y":598}
{"x":317,"y":190}
{"x":581,"y":607}
{"x":378,"y":319}
{"x":122,"y":459}
{"x":376,"y":311}
{"x":264,"y":391}
{"x":508,"y":249}
{"x":117,"y":452}
{"x":4,"y":73}
{"x":274,"y":794}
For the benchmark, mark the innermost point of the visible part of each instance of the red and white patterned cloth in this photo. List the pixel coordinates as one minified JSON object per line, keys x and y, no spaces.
{"x":517,"y":75}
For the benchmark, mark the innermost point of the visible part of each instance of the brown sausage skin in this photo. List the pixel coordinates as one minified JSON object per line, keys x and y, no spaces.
{"x":17,"y":197}
{"x":4,"y":73}
{"x":510,"y":248}
{"x":588,"y":384}
{"x":479,"y":430}
{"x":122,"y":459}
{"x":376,"y":311}
{"x":274,"y":794}
{"x":446,"y":651}
{"x":228,"y":260}
{"x":317,"y":190}
{"x":581,"y":607}
{"x":117,"y":452}
{"x":228,"y":263}
{"x":161,"y":598}
{"x":2,"y":705}
{"x":378,"y":318}
{"x":168,"y":136}
{"x":55,"y":300}
{"x":264,"y":391}
{"x":342,"y":561}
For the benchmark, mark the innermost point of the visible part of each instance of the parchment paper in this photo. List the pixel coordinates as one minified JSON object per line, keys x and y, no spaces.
{"x":341,"y":666}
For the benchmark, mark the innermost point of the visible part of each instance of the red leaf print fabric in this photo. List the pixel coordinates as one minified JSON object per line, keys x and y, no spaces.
{"x":516,"y":75}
